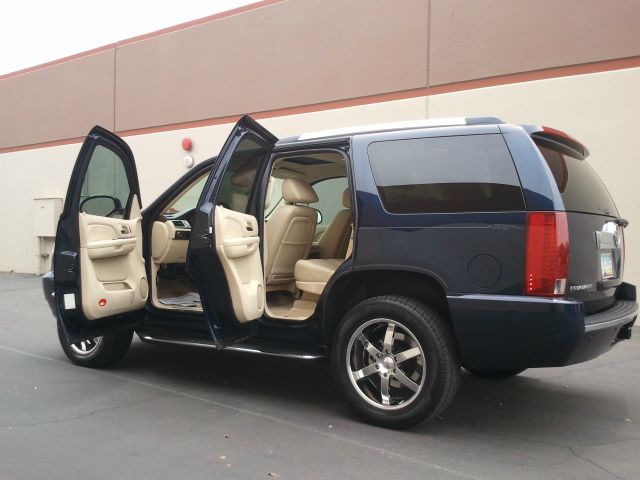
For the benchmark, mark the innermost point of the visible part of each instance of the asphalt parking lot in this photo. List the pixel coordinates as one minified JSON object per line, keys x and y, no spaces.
{"x":168,"y":412}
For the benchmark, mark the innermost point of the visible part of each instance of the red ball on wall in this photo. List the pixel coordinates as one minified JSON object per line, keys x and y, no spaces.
{"x":187,"y":144}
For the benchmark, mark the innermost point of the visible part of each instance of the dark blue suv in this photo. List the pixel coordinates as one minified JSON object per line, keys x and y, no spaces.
{"x":401,"y":252}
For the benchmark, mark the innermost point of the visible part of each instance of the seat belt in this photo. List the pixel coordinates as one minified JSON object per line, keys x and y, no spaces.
{"x":350,"y":246}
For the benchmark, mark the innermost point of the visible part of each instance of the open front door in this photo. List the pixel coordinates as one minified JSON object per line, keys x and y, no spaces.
{"x":224,"y":251}
{"x":99,"y":272}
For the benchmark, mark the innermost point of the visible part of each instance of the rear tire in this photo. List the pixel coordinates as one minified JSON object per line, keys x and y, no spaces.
{"x":396,"y":361}
{"x":98,"y":352}
{"x":495,"y":374}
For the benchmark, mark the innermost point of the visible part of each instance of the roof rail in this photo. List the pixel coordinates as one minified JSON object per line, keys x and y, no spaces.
{"x":406,"y":125}
{"x":483,"y":120}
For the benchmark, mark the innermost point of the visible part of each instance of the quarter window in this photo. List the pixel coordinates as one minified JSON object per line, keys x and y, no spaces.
{"x":473,"y":173}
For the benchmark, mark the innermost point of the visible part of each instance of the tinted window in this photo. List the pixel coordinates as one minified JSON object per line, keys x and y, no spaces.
{"x":240,"y":175}
{"x":580,"y":186}
{"x":105,"y":190}
{"x":472,"y":173}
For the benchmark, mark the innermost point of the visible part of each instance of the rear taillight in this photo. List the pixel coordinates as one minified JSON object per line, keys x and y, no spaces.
{"x":547,"y":257}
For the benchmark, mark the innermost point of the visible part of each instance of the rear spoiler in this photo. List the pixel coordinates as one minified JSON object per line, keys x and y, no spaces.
{"x":558,"y":139}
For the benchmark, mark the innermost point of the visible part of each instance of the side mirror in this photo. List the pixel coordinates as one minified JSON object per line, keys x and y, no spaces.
{"x":101,"y":205}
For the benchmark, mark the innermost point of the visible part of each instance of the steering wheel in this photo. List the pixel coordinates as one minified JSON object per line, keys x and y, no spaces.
{"x":117,"y":205}
{"x":116,"y":210}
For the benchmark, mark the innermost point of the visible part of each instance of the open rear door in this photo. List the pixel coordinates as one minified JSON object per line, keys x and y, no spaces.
{"x":224,"y":251}
{"x":100,"y":280}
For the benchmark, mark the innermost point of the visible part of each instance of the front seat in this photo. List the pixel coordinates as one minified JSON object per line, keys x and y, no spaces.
{"x":335,"y":240}
{"x":290,"y":231}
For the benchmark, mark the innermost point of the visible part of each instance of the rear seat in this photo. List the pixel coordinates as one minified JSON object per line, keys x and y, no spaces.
{"x":313,"y":274}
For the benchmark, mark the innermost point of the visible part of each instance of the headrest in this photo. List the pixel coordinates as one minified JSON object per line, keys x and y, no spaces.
{"x":298,"y":191}
{"x":346,"y":198}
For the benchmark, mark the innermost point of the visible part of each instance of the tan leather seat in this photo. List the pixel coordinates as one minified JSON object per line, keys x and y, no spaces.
{"x":335,"y":240}
{"x":290,"y":231}
{"x":313,"y":274}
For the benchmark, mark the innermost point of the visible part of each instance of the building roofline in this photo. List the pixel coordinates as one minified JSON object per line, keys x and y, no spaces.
{"x":145,"y":36}
{"x":500,"y":80}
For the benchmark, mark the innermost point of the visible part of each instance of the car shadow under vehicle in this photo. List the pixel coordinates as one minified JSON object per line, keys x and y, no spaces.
{"x":539,"y":406}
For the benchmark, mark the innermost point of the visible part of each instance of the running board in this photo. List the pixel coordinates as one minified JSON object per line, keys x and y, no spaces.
{"x":257,"y":348}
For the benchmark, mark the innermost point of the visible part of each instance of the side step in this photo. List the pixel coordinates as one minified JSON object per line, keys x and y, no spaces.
{"x":255,"y":346}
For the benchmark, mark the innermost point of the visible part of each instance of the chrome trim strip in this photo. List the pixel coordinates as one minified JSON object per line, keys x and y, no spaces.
{"x":513,"y":298}
{"x":245,"y":349}
{"x":624,"y":319}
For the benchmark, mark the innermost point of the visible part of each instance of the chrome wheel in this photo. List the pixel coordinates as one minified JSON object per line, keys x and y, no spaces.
{"x":386,"y":364}
{"x":86,"y":347}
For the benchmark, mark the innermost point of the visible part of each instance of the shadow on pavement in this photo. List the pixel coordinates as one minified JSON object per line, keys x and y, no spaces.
{"x":526,"y":408}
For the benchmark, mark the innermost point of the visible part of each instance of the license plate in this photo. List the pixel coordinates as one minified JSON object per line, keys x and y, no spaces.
{"x":606,"y":265}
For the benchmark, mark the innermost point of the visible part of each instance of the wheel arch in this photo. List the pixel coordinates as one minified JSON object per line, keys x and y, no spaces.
{"x":353,"y":287}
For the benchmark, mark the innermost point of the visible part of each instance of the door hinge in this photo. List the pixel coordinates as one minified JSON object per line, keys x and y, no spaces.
{"x":208,"y":235}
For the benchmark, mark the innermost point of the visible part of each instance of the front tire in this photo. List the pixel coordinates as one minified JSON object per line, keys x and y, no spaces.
{"x":396,"y":361}
{"x":97,"y":352}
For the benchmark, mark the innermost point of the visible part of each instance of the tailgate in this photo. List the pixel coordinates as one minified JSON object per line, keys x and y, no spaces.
{"x":596,"y":239}
{"x":595,"y":260}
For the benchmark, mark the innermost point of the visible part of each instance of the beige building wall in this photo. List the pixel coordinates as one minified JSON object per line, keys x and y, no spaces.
{"x":595,"y":108}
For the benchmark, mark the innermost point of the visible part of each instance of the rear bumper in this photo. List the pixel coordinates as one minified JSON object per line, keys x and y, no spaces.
{"x":511,"y":332}
{"x":621,"y":313}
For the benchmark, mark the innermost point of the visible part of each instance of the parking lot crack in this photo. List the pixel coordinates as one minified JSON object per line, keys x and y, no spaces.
{"x":571,"y":449}
{"x":594,"y":463}
{"x":84,"y":415}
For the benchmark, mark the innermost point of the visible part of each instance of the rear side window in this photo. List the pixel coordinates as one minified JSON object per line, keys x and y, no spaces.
{"x":579,"y":185}
{"x":473,"y":173}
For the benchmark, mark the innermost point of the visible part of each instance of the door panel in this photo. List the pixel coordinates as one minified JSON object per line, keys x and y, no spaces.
{"x":237,"y":244}
{"x":100,"y":281}
{"x":224,"y":247}
{"x":113,"y":276}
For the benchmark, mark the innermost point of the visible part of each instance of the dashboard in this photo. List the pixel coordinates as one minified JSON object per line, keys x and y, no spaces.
{"x":170,"y":237}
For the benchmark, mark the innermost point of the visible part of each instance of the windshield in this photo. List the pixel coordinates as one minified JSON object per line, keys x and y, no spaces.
{"x":187,"y":200}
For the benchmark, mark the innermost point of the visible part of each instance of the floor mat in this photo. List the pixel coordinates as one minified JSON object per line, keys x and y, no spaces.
{"x":191,"y":299}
